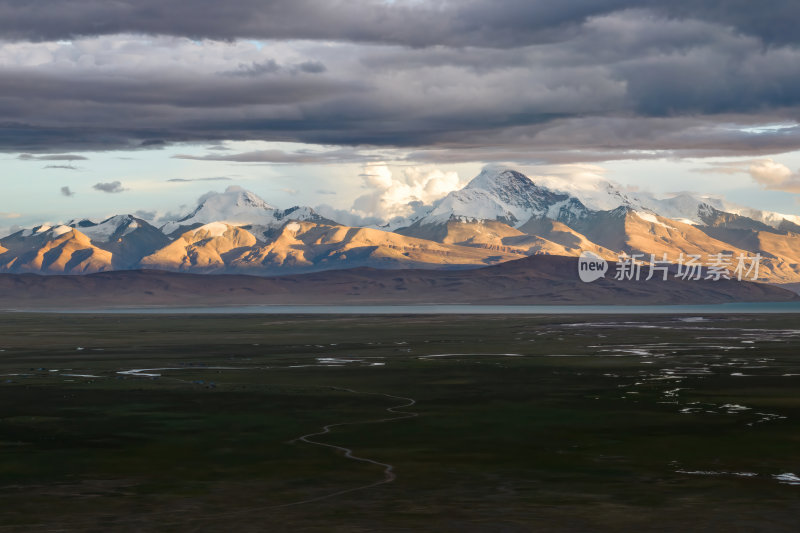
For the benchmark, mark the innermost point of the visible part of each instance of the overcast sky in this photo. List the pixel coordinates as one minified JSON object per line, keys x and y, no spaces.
{"x":110,"y":107}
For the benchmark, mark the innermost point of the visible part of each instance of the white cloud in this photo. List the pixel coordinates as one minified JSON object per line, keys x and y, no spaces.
{"x":775,"y":176}
{"x":346,"y":216}
{"x":398,"y":192}
{"x":572,"y":177}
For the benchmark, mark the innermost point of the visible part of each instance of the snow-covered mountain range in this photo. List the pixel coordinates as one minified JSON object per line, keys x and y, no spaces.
{"x":498,"y":216}
{"x":509,"y":196}
{"x":239,"y":207}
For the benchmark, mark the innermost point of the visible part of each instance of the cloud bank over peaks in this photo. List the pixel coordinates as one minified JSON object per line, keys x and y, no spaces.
{"x":391,"y":192}
{"x":395,"y":192}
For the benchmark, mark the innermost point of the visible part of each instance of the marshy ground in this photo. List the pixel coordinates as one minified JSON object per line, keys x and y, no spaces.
{"x":455,"y":423}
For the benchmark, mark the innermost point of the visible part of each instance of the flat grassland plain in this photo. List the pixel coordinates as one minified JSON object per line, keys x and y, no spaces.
{"x":489,"y":423}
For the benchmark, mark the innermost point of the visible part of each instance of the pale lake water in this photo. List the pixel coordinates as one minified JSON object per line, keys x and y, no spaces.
{"x":729,"y":308}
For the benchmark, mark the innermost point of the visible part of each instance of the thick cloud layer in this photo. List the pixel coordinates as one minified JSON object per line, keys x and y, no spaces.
{"x":518,"y":80}
{"x":483,"y":23}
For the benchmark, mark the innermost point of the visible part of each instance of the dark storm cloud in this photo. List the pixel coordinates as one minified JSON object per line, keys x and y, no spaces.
{"x":152,"y":143}
{"x":270,"y":66}
{"x":111,"y":187}
{"x":48,"y":110}
{"x":145,"y":215}
{"x":494,"y":23}
{"x":160,"y":88}
{"x":537,"y":80}
{"x":464,"y":23}
{"x":598,"y":139}
{"x":774,"y":22}
{"x":712,"y":82}
{"x":311,"y":67}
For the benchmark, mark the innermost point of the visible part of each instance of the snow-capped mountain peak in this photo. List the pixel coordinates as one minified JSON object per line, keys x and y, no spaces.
{"x":211,"y":230}
{"x":500,"y":179}
{"x":235,"y":205}
{"x":42,"y":232}
{"x":112,"y":228}
{"x":36,"y":230}
{"x":237,"y":197}
{"x":239,"y":207}
{"x":503,"y":195}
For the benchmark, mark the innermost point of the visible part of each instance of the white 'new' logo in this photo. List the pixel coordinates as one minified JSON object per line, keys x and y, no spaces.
{"x":591,"y":267}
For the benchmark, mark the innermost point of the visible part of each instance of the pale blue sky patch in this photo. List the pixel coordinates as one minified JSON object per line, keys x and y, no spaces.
{"x":769,"y":128}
